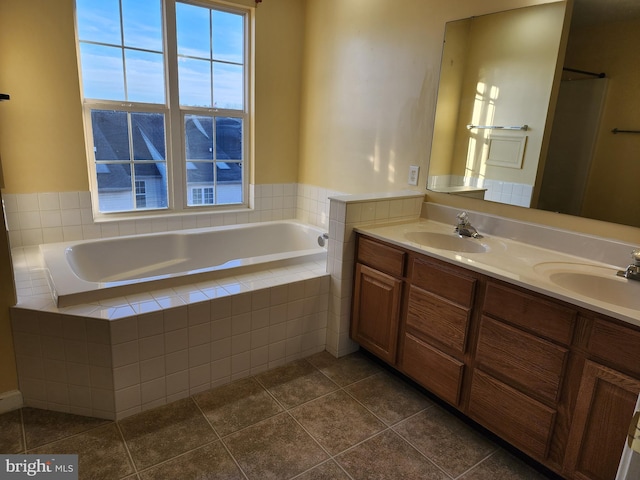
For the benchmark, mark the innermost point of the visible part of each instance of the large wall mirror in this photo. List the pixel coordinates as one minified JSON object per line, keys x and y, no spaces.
{"x":492,"y":138}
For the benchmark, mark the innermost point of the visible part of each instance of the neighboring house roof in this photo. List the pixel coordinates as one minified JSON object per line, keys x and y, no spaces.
{"x":117,"y":176}
{"x":111,"y":141}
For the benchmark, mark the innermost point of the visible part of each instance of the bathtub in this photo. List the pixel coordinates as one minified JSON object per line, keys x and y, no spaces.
{"x":91,"y":270}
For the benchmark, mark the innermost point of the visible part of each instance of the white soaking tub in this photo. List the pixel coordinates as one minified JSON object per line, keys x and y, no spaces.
{"x":90,"y":270}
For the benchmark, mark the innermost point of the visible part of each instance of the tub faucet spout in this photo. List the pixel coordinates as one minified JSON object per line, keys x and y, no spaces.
{"x":464,"y":227}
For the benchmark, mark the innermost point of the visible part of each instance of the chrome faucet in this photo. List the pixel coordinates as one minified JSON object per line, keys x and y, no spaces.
{"x":632,"y":272}
{"x":464,"y":227}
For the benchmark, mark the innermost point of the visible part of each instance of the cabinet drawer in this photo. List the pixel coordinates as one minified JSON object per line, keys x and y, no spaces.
{"x":520,"y":420}
{"x":444,"y":282}
{"x":432,"y":317}
{"x":381,"y":257}
{"x":616,"y":345}
{"x":521,"y":360}
{"x":433,"y":369}
{"x":532,"y":313}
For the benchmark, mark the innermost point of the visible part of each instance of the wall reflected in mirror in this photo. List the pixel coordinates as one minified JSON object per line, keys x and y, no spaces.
{"x":495,"y":85}
{"x":507,"y":81}
{"x":590,"y":170}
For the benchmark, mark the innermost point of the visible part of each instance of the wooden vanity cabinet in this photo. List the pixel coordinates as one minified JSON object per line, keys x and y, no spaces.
{"x":603,"y":412}
{"x":558,"y":382}
{"x":520,"y":362}
{"x":436,"y":329}
{"x":377,"y":298}
{"x":605,"y":403}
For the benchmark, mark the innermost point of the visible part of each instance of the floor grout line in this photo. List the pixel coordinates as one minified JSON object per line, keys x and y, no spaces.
{"x":23,"y":431}
{"x":346,"y":389}
{"x":473,"y":467}
{"x":126,"y":447}
{"x":73,"y":435}
{"x":219,"y":439}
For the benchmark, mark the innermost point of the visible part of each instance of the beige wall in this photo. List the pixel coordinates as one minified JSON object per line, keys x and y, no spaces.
{"x":8,"y":373}
{"x":613,"y":49}
{"x":454,"y":60}
{"x":370,"y":80}
{"x":279,"y":52}
{"x":41,"y":127}
{"x":517,"y":76}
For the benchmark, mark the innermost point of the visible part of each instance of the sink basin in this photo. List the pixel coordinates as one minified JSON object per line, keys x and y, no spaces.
{"x":598,"y":283}
{"x":450,"y":242}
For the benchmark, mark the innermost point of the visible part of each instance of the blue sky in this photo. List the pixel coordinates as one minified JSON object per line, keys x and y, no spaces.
{"x":201,"y":39}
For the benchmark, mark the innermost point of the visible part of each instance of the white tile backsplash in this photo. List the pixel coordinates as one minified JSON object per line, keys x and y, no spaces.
{"x":31,"y":217}
{"x":27,"y":202}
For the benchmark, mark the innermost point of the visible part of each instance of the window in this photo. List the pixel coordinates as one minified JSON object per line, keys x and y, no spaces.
{"x":202,"y":196}
{"x":141,"y":194}
{"x":138,"y":58}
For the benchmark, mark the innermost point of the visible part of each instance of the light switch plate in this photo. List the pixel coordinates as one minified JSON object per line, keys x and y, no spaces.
{"x":413,"y":175}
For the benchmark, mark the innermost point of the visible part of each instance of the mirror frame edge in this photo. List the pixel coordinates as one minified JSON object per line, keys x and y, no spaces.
{"x":555,"y":92}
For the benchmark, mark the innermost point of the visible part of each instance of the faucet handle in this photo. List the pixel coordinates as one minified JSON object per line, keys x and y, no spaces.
{"x":463,"y":218}
{"x":635,"y":255}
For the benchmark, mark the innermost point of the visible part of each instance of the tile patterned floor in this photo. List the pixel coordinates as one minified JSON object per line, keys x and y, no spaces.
{"x":316,"y":418}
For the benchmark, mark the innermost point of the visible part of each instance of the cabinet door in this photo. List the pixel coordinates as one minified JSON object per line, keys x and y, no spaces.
{"x":603,"y":412}
{"x":376,"y":312}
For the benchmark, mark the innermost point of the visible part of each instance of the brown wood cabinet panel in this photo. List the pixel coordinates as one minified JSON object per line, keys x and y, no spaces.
{"x":381,"y":257}
{"x":604,"y":409}
{"x":433,"y":369}
{"x":531,"y":312}
{"x":445,"y":282}
{"x":432,"y":317}
{"x":616,"y":345}
{"x":376,"y":312}
{"x":561,"y":388}
{"x":520,"y":420}
{"x":522,"y":360}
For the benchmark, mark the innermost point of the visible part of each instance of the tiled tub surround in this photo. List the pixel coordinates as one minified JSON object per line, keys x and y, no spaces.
{"x":116,"y":357}
{"x":36,"y":218}
{"x":77,"y":359}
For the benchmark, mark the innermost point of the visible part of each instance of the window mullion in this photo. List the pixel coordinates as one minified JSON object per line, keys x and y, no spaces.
{"x":122,"y":49}
{"x":131,"y":157}
{"x":175,"y":140}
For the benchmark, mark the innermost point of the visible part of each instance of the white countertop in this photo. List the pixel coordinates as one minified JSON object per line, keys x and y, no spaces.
{"x":524,"y":265}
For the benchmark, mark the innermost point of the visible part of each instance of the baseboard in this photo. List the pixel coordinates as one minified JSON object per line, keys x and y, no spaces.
{"x":11,"y":400}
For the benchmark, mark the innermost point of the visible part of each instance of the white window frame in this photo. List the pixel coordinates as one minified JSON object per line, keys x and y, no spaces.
{"x":177,"y":191}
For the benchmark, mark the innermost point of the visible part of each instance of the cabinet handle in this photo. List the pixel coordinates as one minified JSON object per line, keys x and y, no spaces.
{"x":633,"y":427}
